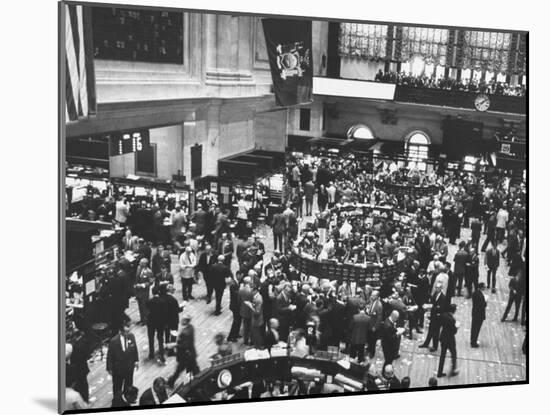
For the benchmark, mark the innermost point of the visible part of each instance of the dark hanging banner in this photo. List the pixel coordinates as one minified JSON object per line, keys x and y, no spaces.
{"x":288,"y":45}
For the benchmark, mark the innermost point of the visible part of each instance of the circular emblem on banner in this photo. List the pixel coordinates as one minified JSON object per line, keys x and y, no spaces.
{"x":224,"y":379}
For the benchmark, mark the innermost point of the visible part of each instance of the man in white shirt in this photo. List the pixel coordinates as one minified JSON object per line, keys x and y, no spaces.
{"x":502,"y":221}
{"x":121,"y":211}
{"x":331,"y":190}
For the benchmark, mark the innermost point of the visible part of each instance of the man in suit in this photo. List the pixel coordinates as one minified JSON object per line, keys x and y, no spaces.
{"x":375,"y":312}
{"x":122,"y":359}
{"x":200,"y":219}
{"x":155,"y":395}
{"x":126,"y":398}
{"x":390,"y":338}
{"x":472,"y":271}
{"x":156,"y":323}
{"x":360,"y":331}
{"x":219,"y":273}
{"x":235,"y":309}
{"x":476,"y":226}
{"x":257,"y":319}
{"x":514,"y":297}
{"x":460,"y":259}
{"x":491,"y":231}
{"x":439,"y":302}
{"x":309,"y":190}
{"x":283,"y":310}
{"x":245,"y":295}
{"x":449,"y":327}
{"x":479,"y":304}
{"x":206,"y":260}
{"x":492,"y":262}
{"x":144,"y":279}
{"x":173,"y":310}
{"x":118,"y":288}
{"x":279,"y":229}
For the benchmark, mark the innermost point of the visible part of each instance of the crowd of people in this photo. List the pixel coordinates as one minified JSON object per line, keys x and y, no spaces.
{"x":466,"y":84}
{"x":273,"y":303}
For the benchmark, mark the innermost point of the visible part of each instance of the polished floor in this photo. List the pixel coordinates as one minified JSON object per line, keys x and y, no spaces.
{"x":498,"y":359}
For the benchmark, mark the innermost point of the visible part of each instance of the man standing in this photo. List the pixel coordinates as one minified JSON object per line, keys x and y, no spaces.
{"x":491,"y":231}
{"x":245,"y":295}
{"x":472,"y":271}
{"x":391,"y":338}
{"x":479,"y":304}
{"x":502,"y":221}
{"x":122,"y":359}
{"x":283,"y":310}
{"x":449,"y":327}
{"x":375,"y":313}
{"x":476,"y":226}
{"x":279,"y":229}
{"x":309,"y":190}
{"x":234,"y":307}
{"x":492,"y":261}
{"x":188,"y":261}
{"x":156,"y":323}
{"x":219,"y":272}
{"x":257,"y":318}
{"x":144,"y":278}
{"x":206,"y":260}
{"x":439,"y":303}
{"x":460,"y":259}
{"x":514,"y":297}
{"x":360,"y":330}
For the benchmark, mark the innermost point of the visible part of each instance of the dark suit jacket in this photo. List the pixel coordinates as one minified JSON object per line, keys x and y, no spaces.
{"x":203,"y":265}
{"x":158,"y":312}
{"x":173,"y":310}
{"x":461,"y":257}
{"x":279,"y":223}
{"x":282,"y":312}
{"x":389,"y":334}
{"x":478,"y":305}
{"x":438,"y":305}
{"x":448,"y":329}
{"x":360,"y":328}
{"x":218,"y":274}
{"x":492,"y":258}
{"x":119,"y":361}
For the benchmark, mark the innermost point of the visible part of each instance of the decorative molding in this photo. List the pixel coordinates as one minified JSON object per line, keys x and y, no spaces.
{"x":223,"y":77}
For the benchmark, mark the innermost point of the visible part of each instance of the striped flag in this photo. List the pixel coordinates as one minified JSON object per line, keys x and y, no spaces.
{"x":79,"y":63}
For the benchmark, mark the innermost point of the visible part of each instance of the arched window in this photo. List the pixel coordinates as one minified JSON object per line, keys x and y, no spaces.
{"x":417,"y":149}
{"x":360,"y":131}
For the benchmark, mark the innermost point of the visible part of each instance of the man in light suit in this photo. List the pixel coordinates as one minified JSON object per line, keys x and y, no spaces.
{"x":245,"y":295}
{"x":375,"y":313}
{"x":257,"y":319}
{"x":122,"y":359}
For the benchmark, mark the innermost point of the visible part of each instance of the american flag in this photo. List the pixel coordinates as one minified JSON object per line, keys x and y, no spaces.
{"x":79,"y":63}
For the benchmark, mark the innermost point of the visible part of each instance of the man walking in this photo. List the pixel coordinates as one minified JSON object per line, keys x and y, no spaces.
{"x":449,"y":327}
{"x":360,"y":330}
{"x":492,"y":261}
